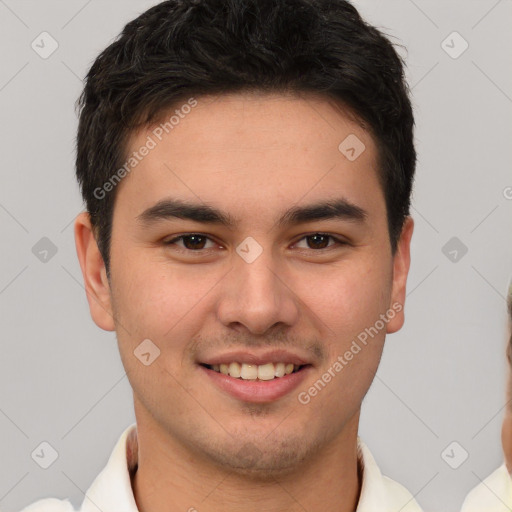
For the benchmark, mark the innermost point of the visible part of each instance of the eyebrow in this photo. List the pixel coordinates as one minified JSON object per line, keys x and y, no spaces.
{"x":176,"y":208}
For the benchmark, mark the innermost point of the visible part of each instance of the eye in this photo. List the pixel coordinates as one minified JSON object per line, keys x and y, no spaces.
{"x":191,"y":241}
{"x":197,"y":242}
{"x":320,"y":241}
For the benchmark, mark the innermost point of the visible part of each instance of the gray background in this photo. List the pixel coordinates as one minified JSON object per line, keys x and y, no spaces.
{"x":442,"y":377}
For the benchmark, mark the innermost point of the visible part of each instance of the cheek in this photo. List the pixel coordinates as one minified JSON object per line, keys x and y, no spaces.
{"x":154,"y":298}
{"x":506,"y":439}
{"x":349,"y":299}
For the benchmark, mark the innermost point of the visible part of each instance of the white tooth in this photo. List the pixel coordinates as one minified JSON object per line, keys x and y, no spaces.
{"x":253,"y":371}
{"x":234,"y":370}
{"x":279,"y":370}
{"x":288,"y":368}
{"x":266,"y":371}
{"x":249,"y":371}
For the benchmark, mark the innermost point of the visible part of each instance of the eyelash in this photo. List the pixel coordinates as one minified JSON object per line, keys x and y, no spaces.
{"x":338,"y":241}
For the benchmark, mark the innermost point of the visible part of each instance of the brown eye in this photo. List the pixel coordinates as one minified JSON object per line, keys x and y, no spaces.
{"x":318,"y":241}
{"x":192,"y":242}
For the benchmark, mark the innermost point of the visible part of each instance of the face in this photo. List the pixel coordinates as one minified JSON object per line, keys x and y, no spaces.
{"x":257,"y":270}
{"x":506,"y":428}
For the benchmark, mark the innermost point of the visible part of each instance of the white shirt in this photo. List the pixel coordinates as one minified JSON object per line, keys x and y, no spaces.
{"x":111,"y":491}
{"x":494,"y":494}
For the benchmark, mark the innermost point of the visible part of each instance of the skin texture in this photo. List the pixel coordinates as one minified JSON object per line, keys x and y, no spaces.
{"x":506,"y":429}
{"x":252,"y":156}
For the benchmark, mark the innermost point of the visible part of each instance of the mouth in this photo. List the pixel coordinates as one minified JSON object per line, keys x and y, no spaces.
{"x":257,"y":383}
{"x":255,"y":372}
{"x":257,"y":377}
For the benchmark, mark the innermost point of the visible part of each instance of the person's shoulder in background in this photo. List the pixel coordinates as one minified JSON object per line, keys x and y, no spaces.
{"x":50,"y":505}
{"x":493,"y":494}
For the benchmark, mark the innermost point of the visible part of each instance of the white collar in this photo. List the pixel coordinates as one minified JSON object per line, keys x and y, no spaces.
{"x":112,"y":489}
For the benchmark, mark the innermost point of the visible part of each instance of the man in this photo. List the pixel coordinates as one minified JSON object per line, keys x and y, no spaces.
{"x":494,"y":493}
{"x":247,"y":168}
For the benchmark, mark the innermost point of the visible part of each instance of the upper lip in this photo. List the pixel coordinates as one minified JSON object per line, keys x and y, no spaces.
{"x":243,"y":356}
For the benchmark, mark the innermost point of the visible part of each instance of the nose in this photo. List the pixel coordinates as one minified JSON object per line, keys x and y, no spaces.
{"x":257,"y":296}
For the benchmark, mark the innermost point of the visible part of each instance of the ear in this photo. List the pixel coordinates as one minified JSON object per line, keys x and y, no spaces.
{"x":401,"y":264}
{"x":97,"y":287}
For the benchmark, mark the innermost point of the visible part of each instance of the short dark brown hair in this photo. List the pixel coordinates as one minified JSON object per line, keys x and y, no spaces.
{"x":183,"y":48}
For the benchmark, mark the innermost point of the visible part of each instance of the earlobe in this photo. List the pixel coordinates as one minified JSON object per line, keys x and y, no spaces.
{"x":401,"y":264}
{"x":94,"y":273}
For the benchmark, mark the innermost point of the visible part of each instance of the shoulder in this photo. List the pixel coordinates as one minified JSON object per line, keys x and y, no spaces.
{"x":50,"y":505}
{"x":494,"y":493}
{"x":399,"y":496}
{"x":379,"y":492}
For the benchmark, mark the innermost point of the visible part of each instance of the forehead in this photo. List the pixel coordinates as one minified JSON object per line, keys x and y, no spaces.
{"x":253,"y":148}
{"x":259,"y":120}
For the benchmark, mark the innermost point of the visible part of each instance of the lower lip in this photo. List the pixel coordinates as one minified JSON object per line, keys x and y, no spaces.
{"x":258,"y":391}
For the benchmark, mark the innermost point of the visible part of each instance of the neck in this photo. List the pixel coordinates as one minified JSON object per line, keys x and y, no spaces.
{"x":170,"y":478}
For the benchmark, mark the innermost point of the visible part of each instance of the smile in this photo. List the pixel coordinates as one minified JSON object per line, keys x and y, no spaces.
{"x":245,"y":371}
